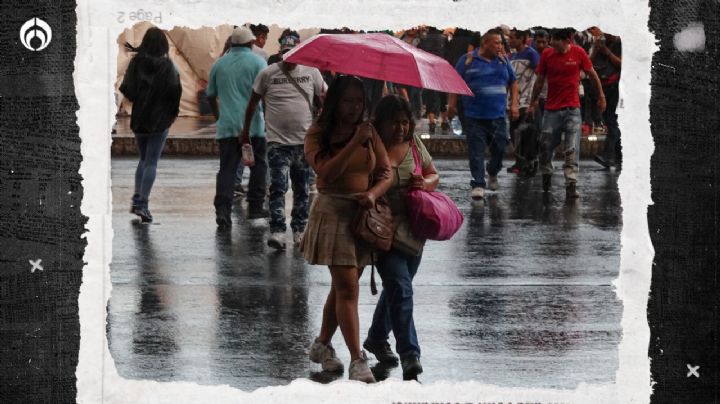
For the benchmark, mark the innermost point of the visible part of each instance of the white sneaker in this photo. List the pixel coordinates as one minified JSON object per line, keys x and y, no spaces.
{"x":493,"y":183}
{"x":277,"y":240}
{"x":360,"y":371}
{"x":477,"y":193}
{"x":297,"y":238}
{"x":325,"y":355}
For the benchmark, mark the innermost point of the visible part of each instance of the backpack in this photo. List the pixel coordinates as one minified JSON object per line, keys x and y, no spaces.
{"x":527,"y":148}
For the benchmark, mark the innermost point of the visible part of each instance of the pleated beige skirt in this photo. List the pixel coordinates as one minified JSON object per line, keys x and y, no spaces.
{"x":328,"y":238}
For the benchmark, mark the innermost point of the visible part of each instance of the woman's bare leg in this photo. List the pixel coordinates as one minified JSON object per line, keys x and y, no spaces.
{"x":329,"y":320}
{"x":345,"y":283}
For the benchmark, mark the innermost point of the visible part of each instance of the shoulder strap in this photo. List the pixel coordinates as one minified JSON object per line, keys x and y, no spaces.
{"x":373,"y":285}
{"x":416,"y":156}
{"x":294,"y":83}
{"x":371,"y":151}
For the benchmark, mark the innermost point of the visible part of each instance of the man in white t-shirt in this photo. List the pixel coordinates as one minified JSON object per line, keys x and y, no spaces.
{"x":288,"y":91}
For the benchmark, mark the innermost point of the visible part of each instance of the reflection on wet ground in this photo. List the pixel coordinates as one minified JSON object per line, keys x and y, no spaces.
{"x":521,"y":296}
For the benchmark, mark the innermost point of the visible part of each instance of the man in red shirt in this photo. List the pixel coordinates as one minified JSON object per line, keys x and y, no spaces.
{"x":560,"y":65}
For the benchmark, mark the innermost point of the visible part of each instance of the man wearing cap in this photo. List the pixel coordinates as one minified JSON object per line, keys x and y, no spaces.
{"x":261,"y":32}
{"x":231,"y":79}
{"x":288,"y":39}
{"x":287,"y":90}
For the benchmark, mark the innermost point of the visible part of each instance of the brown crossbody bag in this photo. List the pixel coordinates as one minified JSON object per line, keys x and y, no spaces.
{"x":375,"y":227}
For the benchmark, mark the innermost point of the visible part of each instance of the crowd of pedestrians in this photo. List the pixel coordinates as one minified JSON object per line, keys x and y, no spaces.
{"x":354,"y":139}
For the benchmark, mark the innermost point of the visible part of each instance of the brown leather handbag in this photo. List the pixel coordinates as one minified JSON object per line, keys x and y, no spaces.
{"x":375,"y":226}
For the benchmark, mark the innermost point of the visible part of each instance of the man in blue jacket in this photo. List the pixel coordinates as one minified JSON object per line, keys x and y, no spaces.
{"x":489,"y":76}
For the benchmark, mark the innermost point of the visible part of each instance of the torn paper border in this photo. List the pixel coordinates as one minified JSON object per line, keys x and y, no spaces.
{"x":97,"y":29}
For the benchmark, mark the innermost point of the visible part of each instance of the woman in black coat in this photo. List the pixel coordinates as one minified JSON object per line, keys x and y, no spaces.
{"x":152,"y":84}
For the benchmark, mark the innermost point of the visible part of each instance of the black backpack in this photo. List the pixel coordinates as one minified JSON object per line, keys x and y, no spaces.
{"x":527,"y":148}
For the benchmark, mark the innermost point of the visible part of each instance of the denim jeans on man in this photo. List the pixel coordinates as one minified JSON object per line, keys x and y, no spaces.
{"x":566,"y":121}
{"x":288,"y":162}
{"x":394,"y":311}
{"x":479,"y":134}
{"x":230,"y":155}
{"x":150,"y":147}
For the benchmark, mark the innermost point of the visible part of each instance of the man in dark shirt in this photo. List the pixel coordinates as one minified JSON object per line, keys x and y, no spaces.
{"x":606,"y":57}
{"x":433,"y":41}
{"x":524,"y":61}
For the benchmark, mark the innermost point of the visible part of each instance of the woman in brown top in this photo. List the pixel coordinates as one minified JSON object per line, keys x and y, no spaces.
{"x":344,"y":152}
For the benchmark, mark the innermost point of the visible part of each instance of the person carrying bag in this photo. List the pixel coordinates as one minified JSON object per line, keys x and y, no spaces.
{"x":398,"y":266}
{"x":344,"y":151}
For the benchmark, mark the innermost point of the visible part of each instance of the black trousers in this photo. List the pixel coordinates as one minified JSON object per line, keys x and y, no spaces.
{"x":612,"y":148}
{"x":514,"y":125}
{"x":230,"y":155}
{"x":435,"y":102}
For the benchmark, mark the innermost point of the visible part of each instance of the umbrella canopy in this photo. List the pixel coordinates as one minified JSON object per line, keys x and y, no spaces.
{"x":380,"y":57}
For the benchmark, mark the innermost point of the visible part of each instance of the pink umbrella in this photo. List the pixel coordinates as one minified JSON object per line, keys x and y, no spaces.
{"x":380,"y":57}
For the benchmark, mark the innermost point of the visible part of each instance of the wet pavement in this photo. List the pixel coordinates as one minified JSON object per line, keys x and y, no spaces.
{"x":521,"y":296}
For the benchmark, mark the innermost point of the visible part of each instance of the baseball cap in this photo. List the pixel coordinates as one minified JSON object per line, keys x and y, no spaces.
{"x":289,"y":42}
{"x":241,"y":35}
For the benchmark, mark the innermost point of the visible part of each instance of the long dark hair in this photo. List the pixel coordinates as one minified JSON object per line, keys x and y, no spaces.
{"x":328,"y":120}
{"x":154,"y":44}
{"x":152,"y":61}
{"x":386,"y":110}
{"x":153,"y":84}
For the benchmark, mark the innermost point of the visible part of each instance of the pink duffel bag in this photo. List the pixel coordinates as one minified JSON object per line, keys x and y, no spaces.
{"x":433,"y":215}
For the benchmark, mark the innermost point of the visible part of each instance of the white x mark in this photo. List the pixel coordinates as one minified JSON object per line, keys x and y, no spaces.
{"x":693,"y":371}
{"x":36,"y":265}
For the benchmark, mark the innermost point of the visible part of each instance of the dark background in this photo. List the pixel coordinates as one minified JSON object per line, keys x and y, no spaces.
{"x":683,"y":222}
{"x":40,"y":196}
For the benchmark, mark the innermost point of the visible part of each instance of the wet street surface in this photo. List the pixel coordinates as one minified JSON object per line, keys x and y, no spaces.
{"x":521,"y":296}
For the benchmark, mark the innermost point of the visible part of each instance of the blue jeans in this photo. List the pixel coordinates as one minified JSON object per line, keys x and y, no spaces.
{"x":394,"y":309}
{"x":566,"y":121}
{"x":482,"y":133}
{"x":288,"y":162}
{"x":150,"y":147}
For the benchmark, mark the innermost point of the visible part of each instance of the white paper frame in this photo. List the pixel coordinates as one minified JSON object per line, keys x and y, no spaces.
{"x":97,"y":29}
